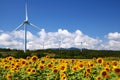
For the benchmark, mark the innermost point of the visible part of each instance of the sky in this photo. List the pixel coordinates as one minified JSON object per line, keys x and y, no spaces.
{"x":63,"y":23}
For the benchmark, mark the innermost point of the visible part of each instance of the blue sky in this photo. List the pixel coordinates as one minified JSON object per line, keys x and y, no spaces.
{"x":94,"y":18}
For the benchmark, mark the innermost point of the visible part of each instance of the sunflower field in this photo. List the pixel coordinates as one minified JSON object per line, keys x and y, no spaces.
{"x":46,"y":68}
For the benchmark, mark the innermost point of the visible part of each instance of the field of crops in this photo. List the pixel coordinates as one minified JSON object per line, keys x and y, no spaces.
{"x":46,"y":68}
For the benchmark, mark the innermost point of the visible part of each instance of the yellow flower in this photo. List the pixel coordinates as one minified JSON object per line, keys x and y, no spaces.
{"x":47,"y":56}
{"x":10,"y":58}
{"x":107,"y":69}
{"x":88,"y":70}
{"x":40,"y":67}
{"x":80,"y":65}
{"x":49,"y":65}
{"x":6,"y":66}
{"x":74,"y":68}
{"x":63,"y":67}
{"x":55,"y":70}
{"x":105,"y":74}
{"x":63,"y":76}
{"x":117,"y":70}
{"x":23,"y":62}
{"x":28,"y":70}
{"x":114,"y":63}
{"x":98,"y":78}
{"x":34,"y":58}
{"x":100,"y":61}
{"x":9,"y":76}
{"x":33,"y":70}
{"x":28,"y":58}
{"x":42,"y":61}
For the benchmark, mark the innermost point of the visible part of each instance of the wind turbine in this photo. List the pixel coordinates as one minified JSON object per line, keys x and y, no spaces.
{"x":81,"y":46}
{"x":59,"y":43}
{"x":24,"y":23}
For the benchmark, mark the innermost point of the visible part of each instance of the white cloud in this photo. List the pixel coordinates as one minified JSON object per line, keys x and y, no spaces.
{"x":113,"y":41}
{"x":114,"y":36}
{"x":67,"y":39}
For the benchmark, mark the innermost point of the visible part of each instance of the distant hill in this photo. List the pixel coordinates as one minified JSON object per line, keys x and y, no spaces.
{"x":72,"y":48}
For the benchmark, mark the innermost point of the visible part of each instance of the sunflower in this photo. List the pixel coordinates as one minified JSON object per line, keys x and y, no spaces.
{"x":17,"y":66}
{"x":63,"y":76}
{"x":117,"y":70}
{"x":75,"y":68}
{"x":63,"y":67}
{"x":6,"y":66}
{"x":105,"y":74}
{"x":9,"y":76}
{"x":28,"y":58}
{"x":28,"y":70}
{"x":34,"y":58}
{"x":88,"y":70}
{"x":98,"y":78}
{"x":114,"y":63}
{"x":47,"y":56}
{"x":40,"y":67}
{"x":49,"y":65}
{"x":23,"y":62}
{"x":80,"y":65}
{"x":107,"y":69}
{"x":17,"y":60}
{"x":10,"y":58}
{"x":4,"y":61}
{"x":42,"y":61}
{"x":106,"y":64}
{"x":55,"y":70}
{"x":99,"y":60}
{"x":92,"y":65}
{"x":33,"y":70}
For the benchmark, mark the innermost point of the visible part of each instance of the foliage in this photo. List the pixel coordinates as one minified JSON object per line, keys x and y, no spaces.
{"x":66,"y":54}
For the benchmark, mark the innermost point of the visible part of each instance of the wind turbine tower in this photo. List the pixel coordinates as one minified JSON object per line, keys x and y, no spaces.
{"x":23,"y":24}
{"x":81,"y":45}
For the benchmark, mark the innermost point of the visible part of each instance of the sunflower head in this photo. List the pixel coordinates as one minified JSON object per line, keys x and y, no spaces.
{"x":114,"y":63}
{"x":98,"y":78}
{"x":9,"y":76}
{"x":81,"y":65}
{"x":74,"y":68}
{"x":6,"y":66}
{"x":88,"y":70}
{"x":10,"y":58}
{"x":28,"y":70}
{"x":34,"y":58}
{"x":55,"y":70}
{"x":33,"y":70}
{"x":117,"y":71}
{"x":107,"y":69}
{"x":100,"y":61}
{"x":49,"y":65}
{"x":40,"y":67}
{"x":63,"y":67}
{"x":105,"y":74}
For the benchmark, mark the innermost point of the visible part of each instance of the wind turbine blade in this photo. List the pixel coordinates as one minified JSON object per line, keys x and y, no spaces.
{"x":34,"y":26}
{"x":26,"y":12}
{"x":18,"y":27}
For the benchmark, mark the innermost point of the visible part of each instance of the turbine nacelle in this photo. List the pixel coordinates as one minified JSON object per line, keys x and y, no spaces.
{"x":26,"y":22}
